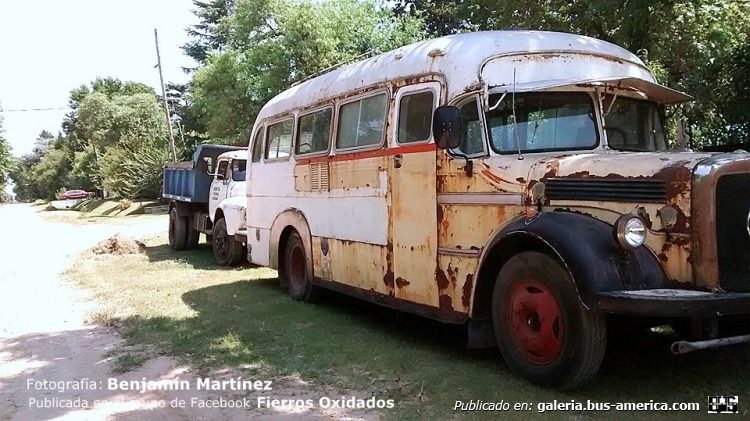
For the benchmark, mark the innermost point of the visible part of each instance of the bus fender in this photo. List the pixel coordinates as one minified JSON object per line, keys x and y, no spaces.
{"x":287,"y":220}
{"x":585,"y":246}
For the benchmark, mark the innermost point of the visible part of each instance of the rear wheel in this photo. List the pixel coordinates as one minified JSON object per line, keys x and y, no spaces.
{"x":543,"y":331}
{"x":298,"y":277}
{"x":177,"y":231}
{"x":227,"y":252}
{"x":193,"y":235}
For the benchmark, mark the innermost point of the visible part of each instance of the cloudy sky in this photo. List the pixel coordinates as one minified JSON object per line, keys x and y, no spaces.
{"x":49,"y":47}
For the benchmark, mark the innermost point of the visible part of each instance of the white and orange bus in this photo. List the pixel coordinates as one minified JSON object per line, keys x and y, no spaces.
{"x":516,"y":181}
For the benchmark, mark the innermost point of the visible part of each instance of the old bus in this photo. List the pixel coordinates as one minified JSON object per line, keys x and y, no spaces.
{"x":518,"y":182}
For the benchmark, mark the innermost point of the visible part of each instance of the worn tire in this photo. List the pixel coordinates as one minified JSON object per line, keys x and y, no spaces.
{"x":178,"y":236}
{"x":227,"y":252}
{"x":297,"y":277}
{"x":193,"y":235}
{"x":543,"y":331}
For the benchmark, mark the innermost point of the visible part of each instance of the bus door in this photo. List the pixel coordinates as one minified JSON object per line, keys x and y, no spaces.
{"x":413,"y":220}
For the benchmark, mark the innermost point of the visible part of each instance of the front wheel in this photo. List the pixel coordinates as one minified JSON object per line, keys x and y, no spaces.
{"x":227,"y":252}
{"x":543,"y":331}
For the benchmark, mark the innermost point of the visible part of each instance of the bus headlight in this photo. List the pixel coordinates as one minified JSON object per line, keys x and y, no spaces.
{"x":630,"y":232}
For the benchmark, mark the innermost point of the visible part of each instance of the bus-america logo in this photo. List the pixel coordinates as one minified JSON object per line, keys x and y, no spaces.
{"x":722,"y":404}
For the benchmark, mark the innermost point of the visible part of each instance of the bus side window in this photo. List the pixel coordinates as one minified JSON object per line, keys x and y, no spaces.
{"x":279,"y":140}
{"x":361,"y":122}
{"x":472,"y":140}
{"x":258,"y":145}
{"x":415,"y":117}
{"x":314,"y":132}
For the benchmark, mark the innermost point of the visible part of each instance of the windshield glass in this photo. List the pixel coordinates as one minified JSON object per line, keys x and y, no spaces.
{"x":238,"y":169}
{"x":550,"y":121}
{"x":633,"y":125}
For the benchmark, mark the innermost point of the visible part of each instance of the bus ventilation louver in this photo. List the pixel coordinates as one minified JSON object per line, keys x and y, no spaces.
{"x":605,"y":190}
{"x":319,"y":179}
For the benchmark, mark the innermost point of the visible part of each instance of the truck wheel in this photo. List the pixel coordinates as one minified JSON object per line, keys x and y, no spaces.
{"x":227,"y":252}
{"x":543,"y":331}
{"x":193,"y":235}
{"x":177,"y":231}
{"x":298,"y":279}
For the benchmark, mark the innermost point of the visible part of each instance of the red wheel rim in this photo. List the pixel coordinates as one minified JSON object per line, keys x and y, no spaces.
{"x":297,"y":268}
{"x":535,"y":322}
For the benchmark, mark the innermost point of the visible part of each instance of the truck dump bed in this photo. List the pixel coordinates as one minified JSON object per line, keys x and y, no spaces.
{"x":189,"y":181}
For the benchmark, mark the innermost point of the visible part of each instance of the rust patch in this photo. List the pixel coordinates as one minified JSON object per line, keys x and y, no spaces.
{"x":580,"y":174}
{"x":677,"y":178}
{"x":452,"y":275}
{"x":663,"y":257}
{"x":401,"y":282}
{"x":645,"y":216}
{"x":388,"y":279}
{"x":442,"y":280}
{"x":468,"y":285}
{"x":446,"y":303}
{"x":521,"y":180}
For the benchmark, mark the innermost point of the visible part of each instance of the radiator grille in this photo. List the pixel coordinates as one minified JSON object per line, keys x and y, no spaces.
{"x":733,"y":239}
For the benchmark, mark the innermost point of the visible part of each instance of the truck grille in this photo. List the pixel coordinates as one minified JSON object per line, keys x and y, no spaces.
{"x":733,"y":239}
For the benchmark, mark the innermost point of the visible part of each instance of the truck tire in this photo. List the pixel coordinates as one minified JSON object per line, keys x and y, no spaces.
{"x":193,"y":235}
{"x":298,"y":279}
{"x":177,"y":231}
{"x":544,"y":333}
{"x":227,"y":252}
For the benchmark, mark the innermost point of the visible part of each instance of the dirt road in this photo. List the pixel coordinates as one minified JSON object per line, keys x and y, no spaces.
{"x":52,"y":363}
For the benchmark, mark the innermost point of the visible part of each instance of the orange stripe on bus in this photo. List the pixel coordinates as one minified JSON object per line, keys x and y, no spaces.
{"x":353,"y":156}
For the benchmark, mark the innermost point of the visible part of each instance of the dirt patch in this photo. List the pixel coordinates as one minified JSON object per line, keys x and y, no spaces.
{"x":119,"y":245}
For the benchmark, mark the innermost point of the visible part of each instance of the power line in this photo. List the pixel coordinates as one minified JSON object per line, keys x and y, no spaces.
{"x":34,"y":109}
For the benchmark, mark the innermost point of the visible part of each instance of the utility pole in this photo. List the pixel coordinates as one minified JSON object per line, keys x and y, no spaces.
{"x":164,"y":97}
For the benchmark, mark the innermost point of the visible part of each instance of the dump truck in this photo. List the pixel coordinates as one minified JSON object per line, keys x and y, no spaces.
{"x":207,"y":195}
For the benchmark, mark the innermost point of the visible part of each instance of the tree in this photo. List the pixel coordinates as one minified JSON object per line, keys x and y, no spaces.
{"x":274,"y":43}
{"x":6,"y":159}
{"x":211,"y":32}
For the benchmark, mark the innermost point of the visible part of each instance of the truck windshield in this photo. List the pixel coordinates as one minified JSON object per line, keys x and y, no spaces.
{"x":633,"y":125}
{"x":550,"y":121}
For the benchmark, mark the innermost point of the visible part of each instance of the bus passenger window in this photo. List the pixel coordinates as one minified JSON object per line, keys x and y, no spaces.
{"x":279,"y":140}
{"x":361,"y":122}
{"x":258,"y":145}
{"x":415,"y":117}
{"x":314,"y":132}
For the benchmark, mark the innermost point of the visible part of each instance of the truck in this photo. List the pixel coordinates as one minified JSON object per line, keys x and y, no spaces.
{"x":207,"y":195}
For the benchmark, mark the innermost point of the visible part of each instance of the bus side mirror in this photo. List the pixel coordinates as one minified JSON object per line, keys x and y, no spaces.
{"x":446,"y":127}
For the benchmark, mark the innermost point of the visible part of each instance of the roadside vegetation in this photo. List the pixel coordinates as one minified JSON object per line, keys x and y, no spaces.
{"x":210,"y":317}
{"x":115,"y":137}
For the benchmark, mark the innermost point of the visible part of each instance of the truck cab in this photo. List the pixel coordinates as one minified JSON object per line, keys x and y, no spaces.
{"x":208,"y":196}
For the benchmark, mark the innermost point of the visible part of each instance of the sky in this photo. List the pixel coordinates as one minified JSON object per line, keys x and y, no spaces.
{"x":50,"y":47}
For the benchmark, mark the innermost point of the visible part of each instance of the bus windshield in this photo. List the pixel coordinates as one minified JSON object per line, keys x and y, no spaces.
{"x":633,"y":125}
{"x":539,"y":122}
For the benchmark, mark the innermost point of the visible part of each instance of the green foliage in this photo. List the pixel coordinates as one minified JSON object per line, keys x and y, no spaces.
{"x":275,"y":43}
{"x":6,"y":159}
{"x":686,"y":44}
{"x":108,"y":114}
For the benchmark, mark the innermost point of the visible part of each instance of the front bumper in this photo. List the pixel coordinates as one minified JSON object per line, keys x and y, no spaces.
{"x":673,"y":303}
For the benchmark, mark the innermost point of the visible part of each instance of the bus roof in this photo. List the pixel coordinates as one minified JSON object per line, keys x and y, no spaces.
{"x":461,"y":59}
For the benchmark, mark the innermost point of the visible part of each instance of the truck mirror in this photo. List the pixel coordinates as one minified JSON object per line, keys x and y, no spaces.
{"x":446,"y":127}
{"x":209,"y":163}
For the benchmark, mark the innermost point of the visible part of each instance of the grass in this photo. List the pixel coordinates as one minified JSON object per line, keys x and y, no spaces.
{"x":212,"y":317}
{"x":108,"y":211}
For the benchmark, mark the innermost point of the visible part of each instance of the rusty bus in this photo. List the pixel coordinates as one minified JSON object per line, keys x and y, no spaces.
{"x":518,"y":182}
